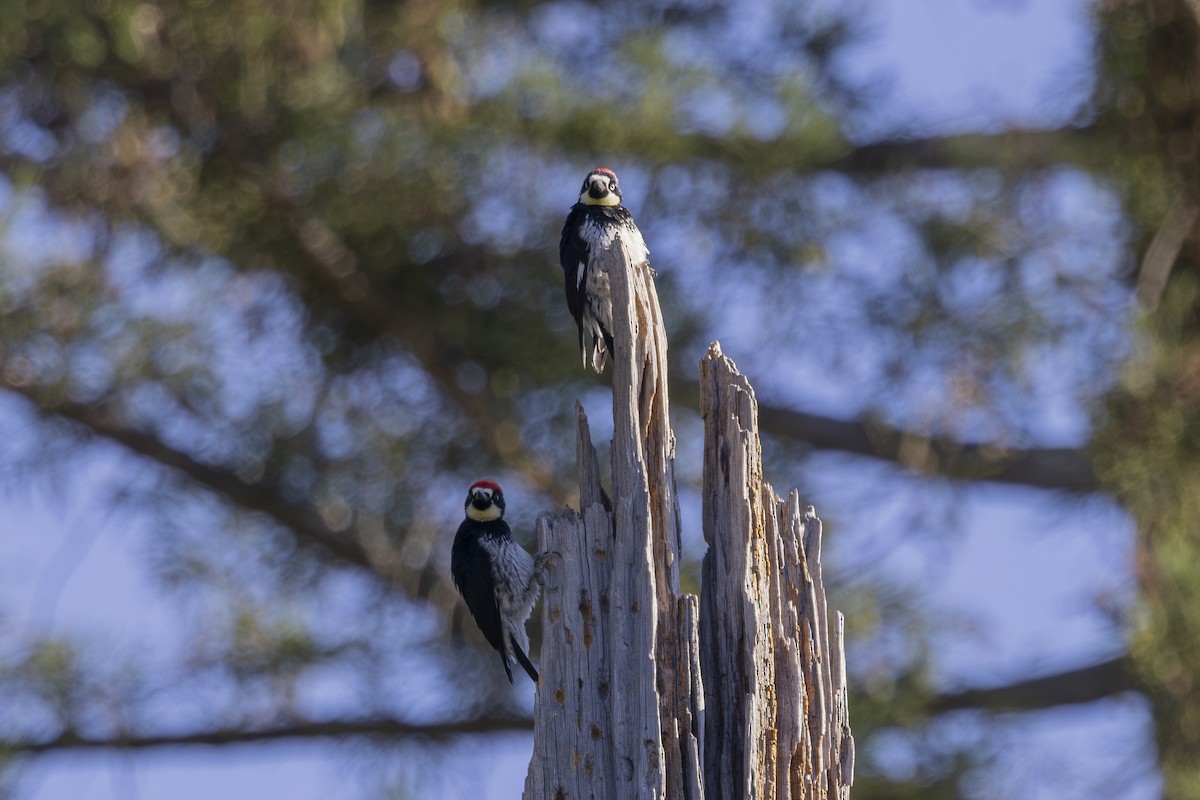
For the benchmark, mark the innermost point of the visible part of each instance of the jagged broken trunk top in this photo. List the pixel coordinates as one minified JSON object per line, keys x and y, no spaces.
{"x":776,"y":722}
{"x":621,"y":711}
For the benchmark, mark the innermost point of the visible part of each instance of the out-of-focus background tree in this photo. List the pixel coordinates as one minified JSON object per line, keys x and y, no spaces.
{"x":278,"y":281}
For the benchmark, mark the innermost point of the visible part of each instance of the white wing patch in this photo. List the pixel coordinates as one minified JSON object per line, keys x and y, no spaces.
{"x":597,"y":306}
{"x":602,"y":236}
{"x":596,"y":312}
{"x":512,"y":570}
{"x":517,"y":591}
{"x":597,"y":235}
{"x":635,"y":245}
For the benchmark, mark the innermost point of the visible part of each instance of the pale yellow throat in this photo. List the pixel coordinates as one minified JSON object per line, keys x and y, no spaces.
{"x":485,"y":515}
{"x":607,"y":200}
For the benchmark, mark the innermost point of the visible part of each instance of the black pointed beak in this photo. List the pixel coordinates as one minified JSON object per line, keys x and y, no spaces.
{"x":597,"y":190}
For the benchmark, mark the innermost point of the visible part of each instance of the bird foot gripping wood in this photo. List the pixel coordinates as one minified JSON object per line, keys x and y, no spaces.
{"x":543,"y":569}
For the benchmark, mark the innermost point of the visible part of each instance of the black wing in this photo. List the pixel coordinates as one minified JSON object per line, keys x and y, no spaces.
{"x":573,"y":251}
{"x":472,"y":572}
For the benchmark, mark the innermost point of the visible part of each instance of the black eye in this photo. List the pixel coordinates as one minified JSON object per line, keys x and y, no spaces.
{"x":612,"y":187}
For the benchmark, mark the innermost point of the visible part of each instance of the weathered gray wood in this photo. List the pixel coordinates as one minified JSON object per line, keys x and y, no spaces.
{"x":647,"y":523}
{"x":621,"y":712}
{"x":642,"y":688}
{"x":572,"y":719}
{"x":776,"y":723}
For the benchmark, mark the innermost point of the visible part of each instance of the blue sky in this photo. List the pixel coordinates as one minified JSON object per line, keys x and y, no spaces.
{"x":1022,"y":584}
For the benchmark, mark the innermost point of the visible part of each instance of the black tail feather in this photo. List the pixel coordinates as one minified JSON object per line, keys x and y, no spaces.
{"x":522,"y":659}
{"x":507,"y":669}
{"x":582,"y":350}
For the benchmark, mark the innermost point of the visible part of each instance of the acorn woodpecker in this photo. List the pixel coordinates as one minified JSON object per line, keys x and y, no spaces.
{"x":593,"y":224}
{"x":496,"y":577}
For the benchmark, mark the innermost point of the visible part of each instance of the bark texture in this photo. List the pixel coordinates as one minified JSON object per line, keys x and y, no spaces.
{"x":619,"y":711}
{"x":777,"y":723}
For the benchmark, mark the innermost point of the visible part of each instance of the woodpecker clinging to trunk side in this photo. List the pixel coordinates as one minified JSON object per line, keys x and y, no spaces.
{"x":593,"y":224}
{"x":496,"y":577}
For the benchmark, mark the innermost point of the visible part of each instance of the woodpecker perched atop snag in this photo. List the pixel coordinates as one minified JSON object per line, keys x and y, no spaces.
{"x":496,"y":577}
{"x":595,"y":222}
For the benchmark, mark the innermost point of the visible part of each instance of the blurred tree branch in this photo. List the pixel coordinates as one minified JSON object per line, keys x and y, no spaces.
{"x":302,"y":520}
{"x":1046,"y":468}
{"x":333,"y":269}
{"x":1015,"y":148}
{"x":1012,"y":149}
{"x":1082,"y":685}
{"x":1159,"y":258}
{"x":375,"y":728}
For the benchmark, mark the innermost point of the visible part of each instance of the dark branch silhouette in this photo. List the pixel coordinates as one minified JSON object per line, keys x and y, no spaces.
{"x":1046,"y":468}
{"x":1014,"y":148}
{"x":373,"y":728}
{"x":1082,"y":685}
{"x":302,"y":520}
